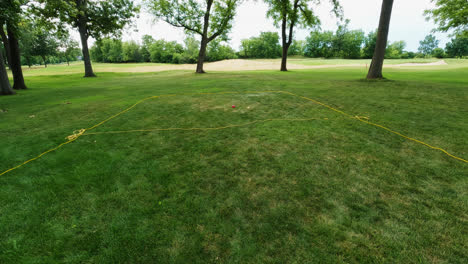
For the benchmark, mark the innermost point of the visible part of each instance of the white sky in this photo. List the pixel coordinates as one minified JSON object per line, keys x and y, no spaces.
{"x":408,"y":22}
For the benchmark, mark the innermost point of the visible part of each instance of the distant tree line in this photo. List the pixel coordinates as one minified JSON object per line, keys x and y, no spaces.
{"x":158,"y":51}
{"x":40,"y":44}
{"x":344,"y":43}
{"x":348,"y":44}
{"x":42,"y":48}
{"x":35,"y":31}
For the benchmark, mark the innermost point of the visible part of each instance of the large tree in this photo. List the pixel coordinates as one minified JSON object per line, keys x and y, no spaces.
{"x":45,"y":44}
{"x":369,"y":45}
{"x":427,"y":45}
{"x":69,"y":49}
{"x":27,"y":41}
{"x":10,"y":18}
{"x":375,"y":70}
{"x":92,"y":18}
{"x":289,"y":14}
{"x":450,"y":15}
{"x":6,"y":44}
{"x":5,"y":88}
{"x":319,"y":44}
{"x":458,"y":47}
{"x":266,"y":45}
{"x":209,"y":19}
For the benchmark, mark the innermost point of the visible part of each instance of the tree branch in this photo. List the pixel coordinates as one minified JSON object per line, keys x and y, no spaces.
{"x":221,"y":30}
{"x":225,"y":21}
{"x":293,"y":21}
{"x":181,"y":25}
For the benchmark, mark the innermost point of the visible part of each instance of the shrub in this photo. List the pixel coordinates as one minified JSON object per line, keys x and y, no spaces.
{"x":438,"y":53}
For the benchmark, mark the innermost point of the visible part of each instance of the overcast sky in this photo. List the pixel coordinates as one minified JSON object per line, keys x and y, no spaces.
{"x":408,"y":22}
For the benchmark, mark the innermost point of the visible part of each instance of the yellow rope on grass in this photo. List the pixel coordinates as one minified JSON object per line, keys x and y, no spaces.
{"x":412,"y":139}
{"x":201,"y":128}
{"x":362,"y":119}
{"x":42,"y":154}
{"x":77,"y":135}
{"x":82,"y":132}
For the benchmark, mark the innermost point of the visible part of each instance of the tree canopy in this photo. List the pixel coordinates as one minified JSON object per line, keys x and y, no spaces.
{"x":44,"y":44}
{"x":427,"y":45}
{"x":11,"y":14}
{"x":450,"y":15}
{"x":289,"y":14}
{"x":267,"y":45}
{"x":92,"y":18}
{"x":102,"y":17}
{"x":209,"y":19}
{"x":458,"y":46}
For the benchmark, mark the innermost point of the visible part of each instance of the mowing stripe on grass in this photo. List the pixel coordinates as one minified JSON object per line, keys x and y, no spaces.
{"x":82,"y":132}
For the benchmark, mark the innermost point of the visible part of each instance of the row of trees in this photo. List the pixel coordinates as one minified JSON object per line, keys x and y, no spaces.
{"x":92,"y":18}
{"x":344,"y":43}
{"x":348,"y":44}
{"x":39,"y":45}
{"x":158,"y":51}
{"x":210,"y":19}
{"x":291,"y":14}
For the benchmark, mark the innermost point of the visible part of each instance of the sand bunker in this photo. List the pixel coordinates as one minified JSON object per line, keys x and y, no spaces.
{"x":437,"y":63}
{"x":253,"y":65}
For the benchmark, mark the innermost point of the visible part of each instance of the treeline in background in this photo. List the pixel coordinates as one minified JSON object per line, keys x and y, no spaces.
{"x":41,"y":47}
{"x":343,"y":43}
{"x":157,"y":51}
{"x":349,"y":44}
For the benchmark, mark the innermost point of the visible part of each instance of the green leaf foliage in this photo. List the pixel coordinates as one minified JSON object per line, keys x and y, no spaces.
{"x":289,"y":14}
{"x":297,"y":48}
{"x":319,"y":44}
{"x":427,"y":45}
{"x":449,"y":14}
{"x":344,"y":43}
{"x":206,"y":18}
{"x":267,"y":45}
{"x":369,"y":45}
{"x":102,"y":18}
{"x":458,"y":47}
{"x":157,"y":51}
{"x":11,"y":13}
{"x":217,"y":51}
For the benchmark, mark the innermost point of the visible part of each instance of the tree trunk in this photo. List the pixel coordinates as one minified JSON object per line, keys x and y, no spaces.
{"x":6,"y":44}
{"x":201,"y":55}
{"x":204,"y":39}
{"x":284,"y":57}
{"x":5,"y":87}
{"x":375,"y":70}
{"x":84,"y":44}
{"x":285,"y":38}
{"x":15,"y":63}
{"x":45,"y":62}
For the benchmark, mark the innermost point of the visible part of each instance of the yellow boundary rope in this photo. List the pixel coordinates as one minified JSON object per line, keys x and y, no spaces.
{"x":202,"y":128}
{"x":82,"y":132}
{"x":360,"y":118}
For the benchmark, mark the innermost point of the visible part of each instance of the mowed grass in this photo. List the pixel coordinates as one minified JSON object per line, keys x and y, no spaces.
{"x":328,"y":190}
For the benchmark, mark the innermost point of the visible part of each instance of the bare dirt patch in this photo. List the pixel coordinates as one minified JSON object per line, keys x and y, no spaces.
{"x":254,"y":65}
{"x":228,"y":65}
{"x":437,"y":63}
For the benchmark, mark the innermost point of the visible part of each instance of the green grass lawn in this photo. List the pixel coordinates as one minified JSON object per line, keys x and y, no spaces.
{"x":327,"y":190}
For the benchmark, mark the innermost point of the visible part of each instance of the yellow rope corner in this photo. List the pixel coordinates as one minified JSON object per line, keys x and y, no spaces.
{"x":76,"y":134}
